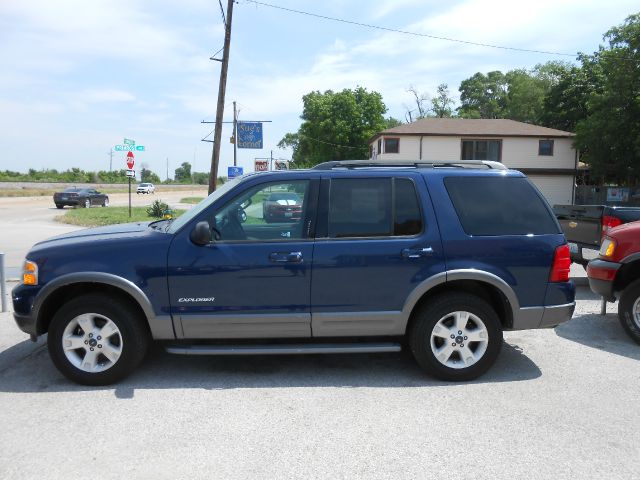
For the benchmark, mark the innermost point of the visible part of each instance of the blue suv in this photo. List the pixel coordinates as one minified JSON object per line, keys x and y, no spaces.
{"x":439,"y":257}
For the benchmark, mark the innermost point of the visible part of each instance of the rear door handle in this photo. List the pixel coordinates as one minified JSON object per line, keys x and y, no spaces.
{"x":416,"y":252}
{"x":286,"y":257}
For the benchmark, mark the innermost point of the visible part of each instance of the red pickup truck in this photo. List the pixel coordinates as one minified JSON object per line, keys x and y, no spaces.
{"x":616,"y":274}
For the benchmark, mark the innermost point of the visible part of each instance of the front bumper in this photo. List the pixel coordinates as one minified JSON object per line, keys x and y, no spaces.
{"x":602,"y":275}
{"x":23,"y":297}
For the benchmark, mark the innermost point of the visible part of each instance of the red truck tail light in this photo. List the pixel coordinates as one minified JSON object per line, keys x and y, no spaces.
{"x":561,"y":264}
{"x":608,"y":222}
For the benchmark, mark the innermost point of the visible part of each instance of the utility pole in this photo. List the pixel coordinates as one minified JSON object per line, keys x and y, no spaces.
{"x":222,"y":87}
{"x":235,"y":135}
{"x":110,"y":159}
{"x":167,"y":169}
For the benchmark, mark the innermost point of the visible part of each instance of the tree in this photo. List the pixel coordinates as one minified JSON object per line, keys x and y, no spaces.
{"x":336,"y":126}
{"x":147,"y":175}
{"x":609,"y":137}
{"x":421,"y":110}
{"x":483,"y":96}
{"x":183,"y":173}
{"x":442,"y":103}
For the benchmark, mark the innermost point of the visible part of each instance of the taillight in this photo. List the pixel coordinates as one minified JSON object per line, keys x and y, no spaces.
{"x":608,"y":222}
{"x":561,"y":265}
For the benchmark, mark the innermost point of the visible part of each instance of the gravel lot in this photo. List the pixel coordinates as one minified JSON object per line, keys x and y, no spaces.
{"x":558,"y":404}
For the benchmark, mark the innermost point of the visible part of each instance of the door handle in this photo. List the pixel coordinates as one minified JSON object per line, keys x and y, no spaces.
{"x":416,"y":252}
{"x":286,"y":257}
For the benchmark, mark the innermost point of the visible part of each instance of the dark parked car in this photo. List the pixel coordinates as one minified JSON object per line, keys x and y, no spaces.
{"x":282,"y":207}
{"x":438,"y":257}
{"x":80,"y":197}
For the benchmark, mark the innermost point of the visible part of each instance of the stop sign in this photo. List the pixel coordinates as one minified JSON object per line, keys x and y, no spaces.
{"x":130,"y":161}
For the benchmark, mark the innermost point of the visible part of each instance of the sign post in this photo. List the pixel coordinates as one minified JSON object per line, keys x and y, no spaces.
{"x":130,"y":163}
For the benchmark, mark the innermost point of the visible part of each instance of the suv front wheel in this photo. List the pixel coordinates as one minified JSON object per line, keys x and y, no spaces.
{"x":456,"y":337}
{"x":97,"y":340}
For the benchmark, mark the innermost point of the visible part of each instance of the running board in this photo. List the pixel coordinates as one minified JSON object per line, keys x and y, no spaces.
{"x":291,"y":349}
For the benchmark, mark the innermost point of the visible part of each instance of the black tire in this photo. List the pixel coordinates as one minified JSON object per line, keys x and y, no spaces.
{"x":59,"y":206}
{"x":135,"y":338}
{"x":439,"y":308}
{"x":630,"y":317}
{"x":86,"y":203}
{"x":105,"y":202}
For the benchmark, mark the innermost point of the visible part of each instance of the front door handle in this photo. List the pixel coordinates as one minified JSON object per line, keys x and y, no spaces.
{"x":286,"y":257}
{"x":417,"y":252}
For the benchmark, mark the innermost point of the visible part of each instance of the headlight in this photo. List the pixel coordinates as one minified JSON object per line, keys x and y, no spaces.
{"x":30,"y":273}
{"x":608,"y":247}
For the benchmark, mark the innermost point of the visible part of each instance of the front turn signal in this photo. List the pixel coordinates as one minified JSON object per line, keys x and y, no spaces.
{"x":30,"y":273}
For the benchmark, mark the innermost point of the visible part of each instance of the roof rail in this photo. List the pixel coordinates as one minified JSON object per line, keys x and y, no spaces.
{"x":348,"y":164}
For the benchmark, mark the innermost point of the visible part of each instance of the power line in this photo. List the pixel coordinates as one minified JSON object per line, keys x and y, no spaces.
{"x":326,"y":143}
{"x":415,"y":34}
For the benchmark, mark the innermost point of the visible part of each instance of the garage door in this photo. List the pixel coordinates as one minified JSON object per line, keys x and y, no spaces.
{"x":558,"y":189}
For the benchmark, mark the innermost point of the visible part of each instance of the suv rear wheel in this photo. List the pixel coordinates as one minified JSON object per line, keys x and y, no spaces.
{"x":456,"y":337}
{"x":97,"y":340}
{"x":629,"y":310}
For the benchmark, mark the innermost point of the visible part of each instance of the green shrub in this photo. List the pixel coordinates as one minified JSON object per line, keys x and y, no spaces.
{"x":157,"y":209}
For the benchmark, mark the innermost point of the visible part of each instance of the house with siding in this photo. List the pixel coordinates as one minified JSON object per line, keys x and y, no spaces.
{"x":545,"y":155}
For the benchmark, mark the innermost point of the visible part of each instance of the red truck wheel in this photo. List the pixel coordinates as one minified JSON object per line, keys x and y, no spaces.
{"x":629,"y":310}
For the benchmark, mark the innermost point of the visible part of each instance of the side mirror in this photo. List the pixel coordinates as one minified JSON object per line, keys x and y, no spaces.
{"x":201,"y":234}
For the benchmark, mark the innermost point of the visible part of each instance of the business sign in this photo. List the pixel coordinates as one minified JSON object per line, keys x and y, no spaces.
{"x":261,"y":165}
{"x":617,"y":194}
{"x":233,"y":172}
{"x":281,"y":165}
{"x":249,"y":135}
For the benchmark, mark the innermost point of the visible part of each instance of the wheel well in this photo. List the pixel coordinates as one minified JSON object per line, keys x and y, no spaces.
{"x":62,"y":295}
{"x":627,"y":273}
{"x":492,"y":295}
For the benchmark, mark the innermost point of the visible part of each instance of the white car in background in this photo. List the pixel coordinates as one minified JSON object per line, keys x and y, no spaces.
{"x":146,"y":188}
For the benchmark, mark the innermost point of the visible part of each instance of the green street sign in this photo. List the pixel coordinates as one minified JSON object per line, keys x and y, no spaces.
{"x":140,"y":148}
{"x":129,"y":142}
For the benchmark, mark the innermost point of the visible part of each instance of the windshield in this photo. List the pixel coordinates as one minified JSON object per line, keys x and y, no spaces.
{"x":194,"y":211}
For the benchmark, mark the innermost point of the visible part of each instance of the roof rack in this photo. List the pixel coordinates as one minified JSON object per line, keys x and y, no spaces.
{"x":348,"y":164}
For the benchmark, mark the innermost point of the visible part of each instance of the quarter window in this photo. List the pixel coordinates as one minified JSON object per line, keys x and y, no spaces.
{"x":481,"y":150}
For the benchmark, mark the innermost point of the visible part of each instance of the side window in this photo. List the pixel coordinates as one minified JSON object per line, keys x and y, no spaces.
{"x":275,"y":211}
{"x":363,"y":207}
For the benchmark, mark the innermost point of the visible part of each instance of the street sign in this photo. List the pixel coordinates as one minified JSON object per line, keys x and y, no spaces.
{"x":129,"y":142}
{"x":131,"y":173}
{"x":128,"y":148}
{"x":140,"y":148}
{"x":249,"y":135}
{"x":233,"y":172}
{"x":261,"y":165}
{"x":130,"y":161}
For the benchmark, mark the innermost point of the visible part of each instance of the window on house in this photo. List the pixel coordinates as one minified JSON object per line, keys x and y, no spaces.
{"x":391,"y":145}
{"x":370,"y":151}
{"x":545,"y":148}
{"x":482,"y":150}
{"x":379,"y":146}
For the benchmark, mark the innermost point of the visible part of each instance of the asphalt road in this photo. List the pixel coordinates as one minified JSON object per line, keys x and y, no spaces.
{"x":558,"y":404}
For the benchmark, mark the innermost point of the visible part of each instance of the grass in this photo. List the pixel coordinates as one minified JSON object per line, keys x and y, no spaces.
{"x":191,"y":200}
{"x":98,"y":216}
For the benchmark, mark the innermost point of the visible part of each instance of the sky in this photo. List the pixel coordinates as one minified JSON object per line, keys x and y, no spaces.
{"x":79,"y":76}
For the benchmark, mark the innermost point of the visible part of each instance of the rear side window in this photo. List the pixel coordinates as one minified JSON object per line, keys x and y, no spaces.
{"x":373,"y":207}
{"x":492,"y":206}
